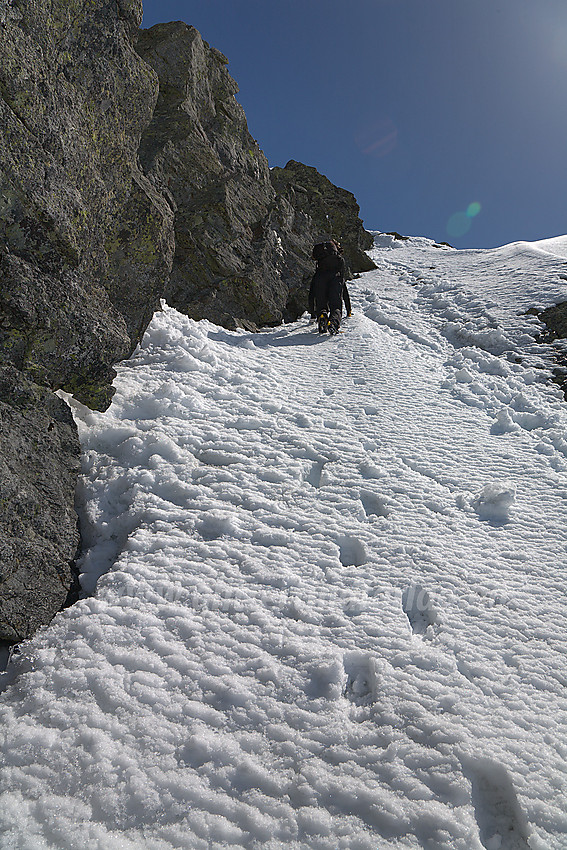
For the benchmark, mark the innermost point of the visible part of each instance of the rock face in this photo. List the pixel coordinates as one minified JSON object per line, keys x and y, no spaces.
{"x":85,"y":244}
{"x":127,"y":173}
{"x":198,"y":150}
{"x":243,"y":233}
{"x":322,"y":210}
{"x":311,"y":209}
{"x":39,"y":452}
{"x":79,"y":221}
{"x":555,"y":318}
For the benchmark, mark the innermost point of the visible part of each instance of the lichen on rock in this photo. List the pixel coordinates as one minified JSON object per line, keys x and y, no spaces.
{"x":70,"y":185}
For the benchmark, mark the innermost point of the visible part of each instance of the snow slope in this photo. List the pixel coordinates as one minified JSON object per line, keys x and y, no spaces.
{"x":329,"y":573}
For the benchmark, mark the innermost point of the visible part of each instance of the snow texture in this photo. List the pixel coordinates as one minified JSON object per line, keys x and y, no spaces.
{"x":324,"y":584}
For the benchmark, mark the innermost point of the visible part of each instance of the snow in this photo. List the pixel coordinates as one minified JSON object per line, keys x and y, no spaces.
{"x":327,"y":581}
{"x":557,"y":245}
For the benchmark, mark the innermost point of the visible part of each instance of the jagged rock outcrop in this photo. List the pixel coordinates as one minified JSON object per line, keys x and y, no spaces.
{"x":39,"y":463}
{"x":198,"y":150}
{"x":555,"y":319}
{"x":85,"y":245}
{"x":127,"y":173}
{"x":311,"y":209}
{"x":78,"y":217}
{"x":324,"y":211}
{"x":243,"y":234}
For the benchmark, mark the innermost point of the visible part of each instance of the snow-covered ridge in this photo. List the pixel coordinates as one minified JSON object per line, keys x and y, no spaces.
{"x":329,"y":607}
{"x":487,"y":296}
{"x":557,"y":246}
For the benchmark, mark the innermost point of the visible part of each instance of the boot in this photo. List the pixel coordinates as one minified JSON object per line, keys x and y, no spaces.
{"x":334,"y":322}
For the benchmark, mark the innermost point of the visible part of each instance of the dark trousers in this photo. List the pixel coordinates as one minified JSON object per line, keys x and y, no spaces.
{"x":328,"y":297}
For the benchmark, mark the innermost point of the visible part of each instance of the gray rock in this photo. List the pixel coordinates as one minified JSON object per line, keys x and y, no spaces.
{"x":243,"y":233}
{"x":78,"y":218}
{"x":86,"y":244}
{"x":39,"y":463}
{"x":323,"y":211}
{"x":311,"y":209}
{"x":198,"y":151}
{"x":555,"y":321}
{"x":60,"y":330}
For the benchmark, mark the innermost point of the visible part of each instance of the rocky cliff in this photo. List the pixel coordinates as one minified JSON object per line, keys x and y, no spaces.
{"x":85,"y":244}
{"x":243,"y":233}
{"x":127,"y":174}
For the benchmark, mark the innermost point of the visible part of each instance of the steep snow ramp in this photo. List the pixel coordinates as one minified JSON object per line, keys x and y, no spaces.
{"x":329,"y":588}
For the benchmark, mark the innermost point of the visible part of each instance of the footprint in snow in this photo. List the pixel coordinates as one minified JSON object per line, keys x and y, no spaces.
{"x":314,"y":475}
{"x":325,"y":679}
{"x":352,"y":552}
{"x":418,"y":608}
{"x":361,"y":678}
{"x":373,"y":505}
{"x":502,"y":823}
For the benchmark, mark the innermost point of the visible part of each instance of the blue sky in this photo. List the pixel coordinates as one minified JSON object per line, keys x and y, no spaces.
{"x":446,"y":118}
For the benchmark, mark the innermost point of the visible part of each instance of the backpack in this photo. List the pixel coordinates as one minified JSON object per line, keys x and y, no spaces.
{"x":323,"y":249}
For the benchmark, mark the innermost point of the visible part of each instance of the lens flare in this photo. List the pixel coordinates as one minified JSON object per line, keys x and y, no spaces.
{"x":461,"y":222}
{"x":458,"y":224}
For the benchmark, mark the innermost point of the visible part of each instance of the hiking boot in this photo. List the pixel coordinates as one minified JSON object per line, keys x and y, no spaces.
{"x":323,"y":323}
{"x":333,"y":327}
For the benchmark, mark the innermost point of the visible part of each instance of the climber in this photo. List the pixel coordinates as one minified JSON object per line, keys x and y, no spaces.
{"x":328,"y":287}
{"x":346,"y":299}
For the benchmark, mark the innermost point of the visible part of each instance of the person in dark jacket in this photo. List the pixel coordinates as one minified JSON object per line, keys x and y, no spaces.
{"x":346,"y":299}
{"x":328,"y":287}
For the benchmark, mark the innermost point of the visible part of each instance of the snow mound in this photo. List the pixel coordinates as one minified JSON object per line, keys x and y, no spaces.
{"x":495,"y":500}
